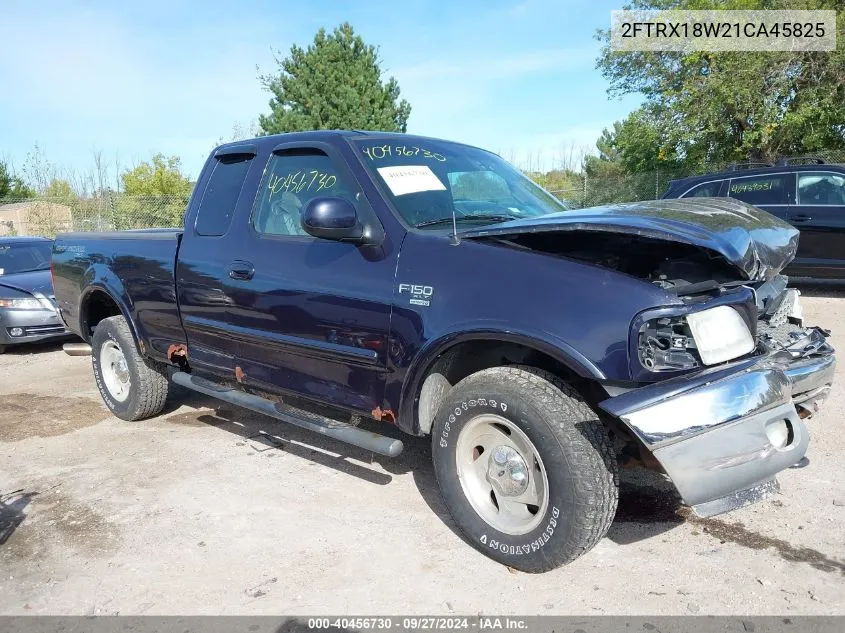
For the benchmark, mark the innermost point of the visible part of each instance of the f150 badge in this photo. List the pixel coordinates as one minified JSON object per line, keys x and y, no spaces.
{"x":419,"y":295}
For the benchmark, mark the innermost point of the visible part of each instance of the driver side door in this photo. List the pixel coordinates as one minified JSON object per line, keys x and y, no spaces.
{"x":311,"y":316}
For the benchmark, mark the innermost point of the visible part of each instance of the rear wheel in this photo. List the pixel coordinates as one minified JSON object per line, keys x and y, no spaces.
{"x":525,"y":466}
{"x":132,"y":386}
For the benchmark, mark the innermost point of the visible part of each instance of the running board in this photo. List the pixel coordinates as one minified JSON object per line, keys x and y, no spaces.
{"x":335,"y":429}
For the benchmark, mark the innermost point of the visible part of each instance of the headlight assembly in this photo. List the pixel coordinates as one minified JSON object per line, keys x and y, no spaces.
{"x":21,"y":304}
{"x":666,"y":344}
{"x":720,"y":334}
{"x":683,"y":342}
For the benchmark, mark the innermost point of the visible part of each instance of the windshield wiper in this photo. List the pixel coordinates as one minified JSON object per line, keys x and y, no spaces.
{"x":491,"y":218}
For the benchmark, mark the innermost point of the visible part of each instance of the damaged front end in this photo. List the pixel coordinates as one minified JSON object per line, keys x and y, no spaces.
{"x":722,"y":430}
{"x":722,"y":375}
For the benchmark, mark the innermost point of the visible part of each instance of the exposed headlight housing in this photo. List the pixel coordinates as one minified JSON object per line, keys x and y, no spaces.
{"x":684,"y":342}
{"x":21,"y":304}
{"x":666,"y":344}
{"x":720,"y":334}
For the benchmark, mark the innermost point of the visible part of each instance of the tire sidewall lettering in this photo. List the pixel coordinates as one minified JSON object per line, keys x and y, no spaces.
{"x":501,"y":543}
{"x":467,"y":405}
{"x":521,"y":549}
{"x":113,"y":405}
{"x":104,"y":392}
{"x":577,"y":511}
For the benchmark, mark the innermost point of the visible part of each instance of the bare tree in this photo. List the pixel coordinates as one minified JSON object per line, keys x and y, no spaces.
{"x":570,"y":157}
{"x":100,"y":171}
{"x":240,"y":131}
{"x":117,"y":182}
{"x":37,"y":169}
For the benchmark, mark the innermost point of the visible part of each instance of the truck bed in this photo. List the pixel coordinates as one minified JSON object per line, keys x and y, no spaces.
{"x":135,"y":269}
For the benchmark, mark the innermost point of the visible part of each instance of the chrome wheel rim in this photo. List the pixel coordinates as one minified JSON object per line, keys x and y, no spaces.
{"x":502,"y":474}
{"x":115,"y":371}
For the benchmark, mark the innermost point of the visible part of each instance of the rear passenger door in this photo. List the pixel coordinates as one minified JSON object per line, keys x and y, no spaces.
{"x":206,"y":255}
{"x":819,"y":212}
{"x":770,"y":192}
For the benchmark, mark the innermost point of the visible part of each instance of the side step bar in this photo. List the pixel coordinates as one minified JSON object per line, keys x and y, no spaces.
{"x":367,"y":440}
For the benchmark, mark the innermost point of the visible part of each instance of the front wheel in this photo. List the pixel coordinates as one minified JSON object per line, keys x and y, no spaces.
{"x":132,"y":386}
{"x":525,"y":467}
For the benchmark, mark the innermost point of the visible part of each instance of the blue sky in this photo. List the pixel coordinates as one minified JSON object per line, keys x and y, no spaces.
{"x":174,"y":76}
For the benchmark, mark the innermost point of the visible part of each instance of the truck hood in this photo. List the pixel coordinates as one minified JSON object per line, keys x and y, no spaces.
{"x":755,"y":242}
{"x":36,"y":281}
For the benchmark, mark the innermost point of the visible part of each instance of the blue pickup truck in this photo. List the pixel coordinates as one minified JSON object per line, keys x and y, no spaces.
{"x":326,"y":278}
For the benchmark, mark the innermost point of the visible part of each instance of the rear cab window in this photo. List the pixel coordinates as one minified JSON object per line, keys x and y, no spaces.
{"x":221,"y":194}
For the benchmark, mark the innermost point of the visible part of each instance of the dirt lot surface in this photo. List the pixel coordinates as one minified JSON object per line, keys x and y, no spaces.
{"x":197,"y":512}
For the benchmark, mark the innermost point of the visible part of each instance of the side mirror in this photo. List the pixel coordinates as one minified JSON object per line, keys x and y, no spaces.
{"x":332,"y":219}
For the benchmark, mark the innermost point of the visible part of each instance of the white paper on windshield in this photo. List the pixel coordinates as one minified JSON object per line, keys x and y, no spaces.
{"x":404,"y":179}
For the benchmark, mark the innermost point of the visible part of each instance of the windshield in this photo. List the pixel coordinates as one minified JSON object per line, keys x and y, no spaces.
{"x":429,"y":180}
{"x":21,"y":258}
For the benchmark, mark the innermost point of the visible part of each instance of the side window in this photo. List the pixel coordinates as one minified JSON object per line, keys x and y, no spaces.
{"x":759,"y":190}
{"x":221,"y":195}
{"x":290,"y":182}
{"x":705,"y":190}
{"x":821,"y":189}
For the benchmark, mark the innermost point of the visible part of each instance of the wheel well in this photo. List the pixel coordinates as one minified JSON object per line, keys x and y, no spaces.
{"x":98,"y":306}
{"x":469,"y":357}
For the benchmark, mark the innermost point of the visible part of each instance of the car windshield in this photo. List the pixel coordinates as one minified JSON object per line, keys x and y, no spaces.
{"x":25,"y":257}
{"x":427,"y":181}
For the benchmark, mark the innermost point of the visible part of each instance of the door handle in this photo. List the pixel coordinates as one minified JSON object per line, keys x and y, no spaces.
{"x":241,"y":270}
{"x":800,"y":218}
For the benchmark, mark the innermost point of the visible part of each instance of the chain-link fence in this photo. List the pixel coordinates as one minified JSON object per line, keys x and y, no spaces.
{"x":109,"y":212}
{"x":603,"y":186}
{"x":114,"y":211}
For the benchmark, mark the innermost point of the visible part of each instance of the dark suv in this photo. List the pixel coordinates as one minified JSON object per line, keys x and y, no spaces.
{"x":806,"y":192}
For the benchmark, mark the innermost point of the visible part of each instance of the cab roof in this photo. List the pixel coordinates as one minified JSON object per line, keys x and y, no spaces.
{"x":330,"y":135}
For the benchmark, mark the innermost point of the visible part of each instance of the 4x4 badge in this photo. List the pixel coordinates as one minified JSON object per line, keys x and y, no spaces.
{"x":419,"y":295}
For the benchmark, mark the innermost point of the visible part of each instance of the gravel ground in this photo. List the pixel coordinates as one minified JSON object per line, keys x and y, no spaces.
{"x":196,"y":512}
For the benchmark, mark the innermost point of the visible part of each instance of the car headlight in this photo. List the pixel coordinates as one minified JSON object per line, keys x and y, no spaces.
{"x":720,"y":334}
{"x":21,"y":304}
{"x":683,"y":342}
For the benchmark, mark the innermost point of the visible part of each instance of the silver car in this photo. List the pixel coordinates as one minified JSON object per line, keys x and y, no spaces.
{"x":27,"y":306}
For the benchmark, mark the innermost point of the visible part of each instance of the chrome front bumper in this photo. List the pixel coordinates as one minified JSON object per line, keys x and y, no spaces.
{"x":712,"y":432}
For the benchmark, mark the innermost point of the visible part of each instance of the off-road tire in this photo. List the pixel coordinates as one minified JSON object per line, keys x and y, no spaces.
{"x":573,"y":444}
{"x":148,"y":378}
